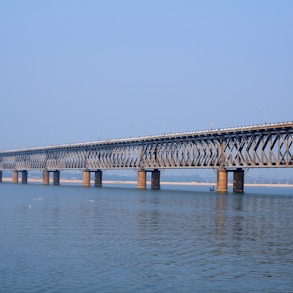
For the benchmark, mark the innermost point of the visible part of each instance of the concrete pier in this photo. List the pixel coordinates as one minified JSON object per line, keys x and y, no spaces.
{"x":46,"y":177}
{"x":222,"y":181}
{"x":86,"y":178}
{"x":238,"y":181}
{"x":24,"y":177}
{"x":98,"y":178}
{"x":14,"y":176}
{"x":56,"y":177}
{"x":156,"y":179}
{"x":0,"y":176}
{"x":141,"y":179}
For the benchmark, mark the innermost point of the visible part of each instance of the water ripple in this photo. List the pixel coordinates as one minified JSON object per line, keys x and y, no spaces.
{"x":114,"y":240}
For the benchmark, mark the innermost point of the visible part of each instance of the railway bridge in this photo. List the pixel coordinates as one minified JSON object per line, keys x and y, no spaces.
{"x":225,"y":150}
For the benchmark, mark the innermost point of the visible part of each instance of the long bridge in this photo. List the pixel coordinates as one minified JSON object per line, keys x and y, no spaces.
{"x":225,"y":150}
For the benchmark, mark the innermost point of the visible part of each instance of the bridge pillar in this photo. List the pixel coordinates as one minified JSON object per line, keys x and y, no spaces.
{"x":24,"y":177}
{"x":222,"y":180}
{"x":141,"y":179}
{"x":46,"y":177}
{"x":98,"y":178}
{"x":0,"y":176}
{"x":156,"y":179}
{"x":56,"y":177}
{"x":86,"y":178}
{"x":15,"y":176}
{"x":238,"y":181}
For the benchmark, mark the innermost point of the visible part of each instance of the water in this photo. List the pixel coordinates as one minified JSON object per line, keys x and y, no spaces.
{"x":74,"y":239}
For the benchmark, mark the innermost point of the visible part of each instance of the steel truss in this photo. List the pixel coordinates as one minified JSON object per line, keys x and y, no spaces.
{"x":243,"y":147}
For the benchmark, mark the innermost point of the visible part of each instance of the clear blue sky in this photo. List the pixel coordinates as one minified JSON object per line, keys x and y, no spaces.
{"x":74,"y":71}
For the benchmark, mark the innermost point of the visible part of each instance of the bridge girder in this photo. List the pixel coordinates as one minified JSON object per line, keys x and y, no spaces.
{"x":265,"y":146}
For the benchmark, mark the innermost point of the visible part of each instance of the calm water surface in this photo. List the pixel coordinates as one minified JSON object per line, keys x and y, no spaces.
{"x":74,"y":239}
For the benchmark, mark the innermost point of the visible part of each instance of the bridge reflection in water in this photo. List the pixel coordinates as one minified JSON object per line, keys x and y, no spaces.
{"x":225,"y":150}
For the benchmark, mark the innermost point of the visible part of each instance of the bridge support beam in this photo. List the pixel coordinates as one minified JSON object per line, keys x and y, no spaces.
{"x":46,"y":177}
{"x":141,"y":179}
{"x":24,"y":177}
{"x":238,"y":181}
{"x":15,"y":176}
{"x":0,"y":176}
{"x":98,"y":178}
{"x":56,"y":177}
{"x":86,"y":178}
{"x":156,"y":179}
{"x":222,"y":181}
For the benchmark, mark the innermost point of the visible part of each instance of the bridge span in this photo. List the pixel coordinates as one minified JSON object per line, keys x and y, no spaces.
{"x":225,"y":150}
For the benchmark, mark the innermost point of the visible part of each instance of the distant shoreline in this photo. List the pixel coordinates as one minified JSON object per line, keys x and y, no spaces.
{"x":132,"y":182}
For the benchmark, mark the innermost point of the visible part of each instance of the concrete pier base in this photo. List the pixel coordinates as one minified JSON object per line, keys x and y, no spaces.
{"x":156,"y":179}
{"x":46,"y":177}
{"x":0,"y":176}
{"x":56,"y":177}
{"x":141,"y":179}
{"x":238,"y":181}
{"x":24,"y":177}
{"x":98,"y":178}
{"x":86,"y":178}
{"x":222,"y":181}
{"x":15,"y":176}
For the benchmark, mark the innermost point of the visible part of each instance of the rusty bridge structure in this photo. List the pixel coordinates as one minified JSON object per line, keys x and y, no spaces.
{"x":224,"y":150}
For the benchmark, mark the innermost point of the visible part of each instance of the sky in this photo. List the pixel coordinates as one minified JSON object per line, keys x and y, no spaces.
{"x":86,"y":70}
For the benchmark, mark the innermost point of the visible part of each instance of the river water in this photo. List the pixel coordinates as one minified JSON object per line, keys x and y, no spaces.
{"x":120,"y":239}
